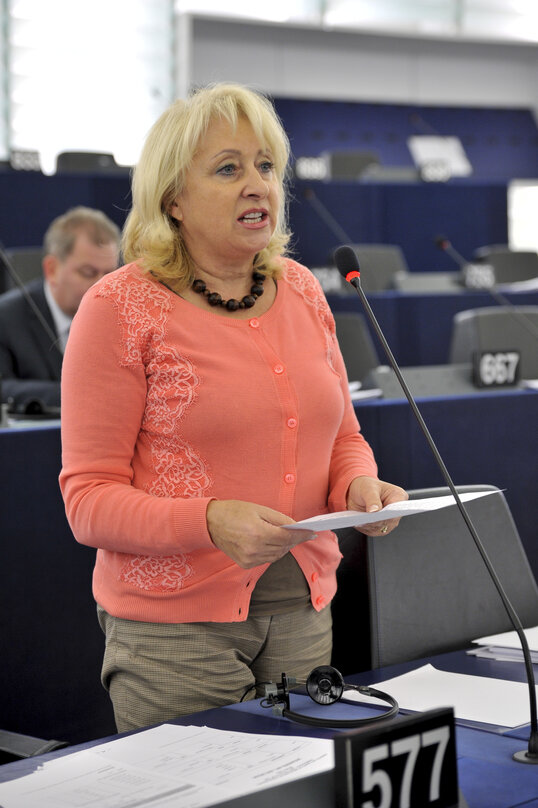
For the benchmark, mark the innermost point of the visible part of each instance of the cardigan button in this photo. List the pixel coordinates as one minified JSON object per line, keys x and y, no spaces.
{"x":278,"y":369}
{"x":289,"y":478}
{"x":314,"y":577}
{"x":254,"y":323}
{"x":292,"y":423}
{"x":320,"y":600}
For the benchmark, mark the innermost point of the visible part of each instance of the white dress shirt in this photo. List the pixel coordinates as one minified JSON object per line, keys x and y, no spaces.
{"x":62,"y":322}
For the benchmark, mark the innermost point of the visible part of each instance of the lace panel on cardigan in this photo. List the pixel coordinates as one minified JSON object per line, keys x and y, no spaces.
{"x":143,"y":309}
{"x":157,"y":573}
{"x":310,"y":290}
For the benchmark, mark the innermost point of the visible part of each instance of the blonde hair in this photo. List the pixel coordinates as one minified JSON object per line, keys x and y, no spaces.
{"x":151,"y":237}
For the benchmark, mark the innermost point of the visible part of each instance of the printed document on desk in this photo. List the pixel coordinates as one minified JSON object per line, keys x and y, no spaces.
{"x":333,"y":521}
{"x":167,"y":767}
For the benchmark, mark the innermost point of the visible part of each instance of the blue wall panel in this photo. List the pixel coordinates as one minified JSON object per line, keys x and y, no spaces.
{"x":409,"y":214}
{"x":500,"y":143}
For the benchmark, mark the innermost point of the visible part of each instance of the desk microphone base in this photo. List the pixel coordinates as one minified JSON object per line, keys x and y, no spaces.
{"x":525,"y":757}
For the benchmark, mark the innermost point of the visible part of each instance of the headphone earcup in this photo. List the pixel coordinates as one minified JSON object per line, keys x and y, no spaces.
{"x":325,"y":685}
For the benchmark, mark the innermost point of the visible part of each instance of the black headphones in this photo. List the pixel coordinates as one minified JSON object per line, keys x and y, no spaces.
{"x":325,"y":685}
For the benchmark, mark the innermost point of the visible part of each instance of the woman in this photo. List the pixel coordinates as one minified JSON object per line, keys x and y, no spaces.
{"x":205,"y":406}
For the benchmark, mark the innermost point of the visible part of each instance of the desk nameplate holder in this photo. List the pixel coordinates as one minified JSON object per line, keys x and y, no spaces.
{"x":496,"y":368}
{"x":408,"y":763}
{"x":478,"y":276}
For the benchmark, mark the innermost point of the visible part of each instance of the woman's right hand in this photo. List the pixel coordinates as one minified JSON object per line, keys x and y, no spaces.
{"x":251,"y":534}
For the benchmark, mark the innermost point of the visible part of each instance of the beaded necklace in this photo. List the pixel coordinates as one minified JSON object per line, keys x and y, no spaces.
{"x":214,"y":299}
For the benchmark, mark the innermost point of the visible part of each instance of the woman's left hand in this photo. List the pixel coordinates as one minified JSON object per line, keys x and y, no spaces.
{"x":368,"y":495}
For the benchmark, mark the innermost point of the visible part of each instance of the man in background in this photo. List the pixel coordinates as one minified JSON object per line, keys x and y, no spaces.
{"x":81,"y":246}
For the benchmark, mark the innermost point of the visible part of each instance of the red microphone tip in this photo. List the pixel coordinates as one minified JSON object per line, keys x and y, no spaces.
{"x":442,"y":242}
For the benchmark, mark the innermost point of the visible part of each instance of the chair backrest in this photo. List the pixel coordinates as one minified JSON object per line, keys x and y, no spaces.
{"x":379,"y":264}
{"x":510,"y":266}
{"x":94,"y":162}
{"x":497,"y":328}
{"x":356,"y":344}
{"x":26,"y":261}
{"x":424,"y":588}
{"x":349,"y":164}
{"x":15,"y":746}
{"x":429,"y":589}
{"x":482,"y":253}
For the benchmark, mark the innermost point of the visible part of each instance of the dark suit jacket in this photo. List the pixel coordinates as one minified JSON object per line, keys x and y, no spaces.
{"x":30,"y":363}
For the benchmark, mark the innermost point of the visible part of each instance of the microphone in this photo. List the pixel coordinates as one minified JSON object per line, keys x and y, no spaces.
{"x":348,"y":265}
{"x":473,"y":276}
{"x":6,"y":263}
{"x":444,"y":244}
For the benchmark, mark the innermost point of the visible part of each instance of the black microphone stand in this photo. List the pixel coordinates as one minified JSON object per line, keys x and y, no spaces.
{"x":348,"y":265}
{"x":325,"y":215}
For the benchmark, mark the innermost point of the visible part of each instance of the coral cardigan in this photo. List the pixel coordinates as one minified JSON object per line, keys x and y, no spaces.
{"x":166,"y":406}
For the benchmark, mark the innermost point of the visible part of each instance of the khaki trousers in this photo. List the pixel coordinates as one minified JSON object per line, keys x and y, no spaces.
{"x":156,"y":672}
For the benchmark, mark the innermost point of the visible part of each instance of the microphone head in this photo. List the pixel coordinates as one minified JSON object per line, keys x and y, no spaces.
{"x":346,"y":260}
{"x":442,"y":242}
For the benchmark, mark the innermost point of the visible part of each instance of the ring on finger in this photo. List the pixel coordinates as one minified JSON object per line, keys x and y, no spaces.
{"x":384,"y":529}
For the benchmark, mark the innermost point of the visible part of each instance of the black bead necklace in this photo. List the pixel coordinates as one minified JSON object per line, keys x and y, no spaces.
{"x":214,"y":299}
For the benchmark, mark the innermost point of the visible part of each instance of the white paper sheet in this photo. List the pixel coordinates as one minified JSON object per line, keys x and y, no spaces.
{"x":363,"y":395}
{"x":510,"y":639}
{"x":447,"y":150}
{"x":169,"y":766}
{"x":333,"y":521}
{"x":474,"y":698}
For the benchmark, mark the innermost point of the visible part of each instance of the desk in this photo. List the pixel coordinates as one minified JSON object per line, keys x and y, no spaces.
{"x":52,"y":645}
{"x":488,"y":777}
{"x":50,"y":671}
{"x":418,"y":326}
